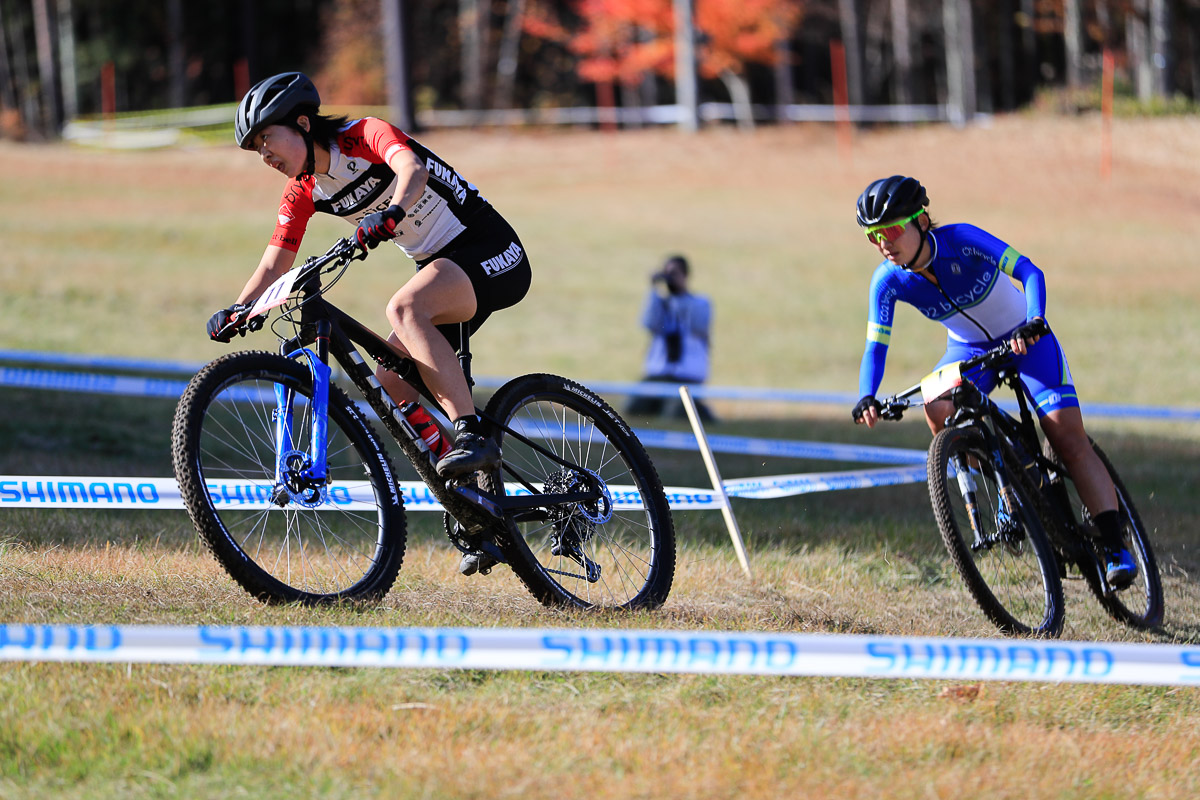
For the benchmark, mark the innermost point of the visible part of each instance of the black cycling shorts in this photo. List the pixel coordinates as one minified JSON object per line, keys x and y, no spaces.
{"x":492,"y":256}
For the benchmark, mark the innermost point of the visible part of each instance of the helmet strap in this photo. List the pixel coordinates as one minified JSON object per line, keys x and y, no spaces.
{"x":310,"y":163}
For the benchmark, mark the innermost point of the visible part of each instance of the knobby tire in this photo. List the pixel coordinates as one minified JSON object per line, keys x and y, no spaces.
{"x":224,"y":430}
{"x":1140,"y":605}
{"x":1013,"y":576}
{"x":634,"y":550}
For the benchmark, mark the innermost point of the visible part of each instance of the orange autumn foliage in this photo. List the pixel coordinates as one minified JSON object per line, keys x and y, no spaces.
{"x":623,"y":40}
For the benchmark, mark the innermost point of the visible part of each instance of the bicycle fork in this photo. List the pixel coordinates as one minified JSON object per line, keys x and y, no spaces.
{"x":303,"y":477}
{"x":969,"y":489}
{"x":1006,"y":514}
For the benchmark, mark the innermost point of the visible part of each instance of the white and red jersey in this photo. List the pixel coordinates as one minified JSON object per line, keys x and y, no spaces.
{"x":359,"y":182}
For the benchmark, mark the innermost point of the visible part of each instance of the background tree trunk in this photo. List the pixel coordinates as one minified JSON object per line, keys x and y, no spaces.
{"x":176,"y":55}
{"x":785,"y":86}
{"x":1006,"y":63}
{"x":739,"y":94}
{"x":960,"y":60}
{"x":8,"y":94}
{"x":1073,"y":42}
{"x":66,"y":58}
{"x":396,"y":55}
{"x":510,"y":48}
{"x":473,"y":18}
{"x":1029,"y":51}
{"x":902,"y":51}
{"x":852,"y":39}
{"x":687,"y":89}
{"x":1162,"y":56}
{"x":45,"y":36}
{"x":1137,"y":41}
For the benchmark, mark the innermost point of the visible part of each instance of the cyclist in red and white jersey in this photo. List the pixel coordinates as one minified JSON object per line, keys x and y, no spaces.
{"x":469,"y":260}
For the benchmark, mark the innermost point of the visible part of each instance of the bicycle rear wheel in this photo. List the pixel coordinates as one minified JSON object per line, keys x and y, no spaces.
{"x":286,"y":540}
{"x":1139,"y":605}
{"x":618,"y":552}
{"x":998,"y":545}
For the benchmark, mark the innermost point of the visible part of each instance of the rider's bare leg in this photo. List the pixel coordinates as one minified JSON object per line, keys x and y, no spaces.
{"x":936,"y":414}
{"x":401,"y":392}
{"x":1064,"y":429}
{"x":439,"y":294}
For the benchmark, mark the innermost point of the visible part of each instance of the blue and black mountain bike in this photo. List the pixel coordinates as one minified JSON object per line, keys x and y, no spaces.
{"x":293,"y":491}
{"x":1010,"y":515}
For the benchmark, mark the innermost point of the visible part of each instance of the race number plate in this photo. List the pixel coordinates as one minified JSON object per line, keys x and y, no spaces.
{"x":276,"y":294}
{"x":940,"y":381}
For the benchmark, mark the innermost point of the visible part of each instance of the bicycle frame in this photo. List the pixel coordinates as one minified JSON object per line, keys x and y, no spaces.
{"x":338,"y":335}
{"x":1014,"y":447}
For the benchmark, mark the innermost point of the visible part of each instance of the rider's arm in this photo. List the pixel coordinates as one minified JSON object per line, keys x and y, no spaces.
{"x":411,"y":177}
{"x":275,"y":261}
{"x":1015,"y":265}
{"x":383,"y":141}
{"x":880,"y":313}
{"x":1034,"y":282}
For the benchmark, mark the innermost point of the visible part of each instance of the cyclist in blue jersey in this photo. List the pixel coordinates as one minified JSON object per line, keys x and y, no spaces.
{"x":966,"y":279}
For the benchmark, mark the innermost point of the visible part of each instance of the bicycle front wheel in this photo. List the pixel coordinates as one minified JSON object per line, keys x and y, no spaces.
{"x":615,"y":552}
{"x":1139,"y":605}
{"x":995,"y":539}
{"x":281,"y":535}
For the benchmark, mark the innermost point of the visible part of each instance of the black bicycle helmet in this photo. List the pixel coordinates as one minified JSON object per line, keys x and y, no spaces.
{"x":890,"y":198}
{"x":270,"y":102}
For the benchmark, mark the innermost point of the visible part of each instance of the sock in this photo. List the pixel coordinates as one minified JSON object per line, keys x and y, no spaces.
{"x":1108,"y":524}
{"x":470,"y":423}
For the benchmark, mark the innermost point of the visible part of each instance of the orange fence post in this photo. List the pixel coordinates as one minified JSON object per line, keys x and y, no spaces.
{"x":241,"y":77}
{"x":1106,"y":111}
{"x":841,"y":103}
{"x":108,"y":90}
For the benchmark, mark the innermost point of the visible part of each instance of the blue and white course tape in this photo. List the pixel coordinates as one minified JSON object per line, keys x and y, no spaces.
{"x":705,"y":652}
{"x":41,"y":379}
{"x":97,"y":493}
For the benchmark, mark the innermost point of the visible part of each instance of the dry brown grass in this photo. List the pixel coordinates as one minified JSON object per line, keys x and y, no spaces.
{"x":128,"y":254}
{"x":163,"y":238}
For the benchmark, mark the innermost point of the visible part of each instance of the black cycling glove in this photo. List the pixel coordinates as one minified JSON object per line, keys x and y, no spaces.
{"x":1031,"y":330}
{"x":379,"y":226}
{"x":863,"y":404}
{"x":226,"y":322}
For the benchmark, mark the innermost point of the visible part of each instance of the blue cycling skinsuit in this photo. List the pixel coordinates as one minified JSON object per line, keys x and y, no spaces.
{"x":980,"y":307}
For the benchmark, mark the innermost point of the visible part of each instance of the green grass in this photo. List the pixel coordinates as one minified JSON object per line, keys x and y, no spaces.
{"x":127,"y":254}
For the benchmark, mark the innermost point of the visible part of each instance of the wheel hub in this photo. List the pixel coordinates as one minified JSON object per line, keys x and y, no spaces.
{"x":297,"y":485}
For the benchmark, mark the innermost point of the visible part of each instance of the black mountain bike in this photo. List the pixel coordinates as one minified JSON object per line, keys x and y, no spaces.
{"x":292,"y":490}
{"x":1010,"y":515}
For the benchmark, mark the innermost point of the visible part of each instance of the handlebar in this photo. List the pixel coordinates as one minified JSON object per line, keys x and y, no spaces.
{"x":338,"y":256}
{"x":892,"y":408}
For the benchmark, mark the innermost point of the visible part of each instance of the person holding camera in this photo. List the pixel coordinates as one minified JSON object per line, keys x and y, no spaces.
{"x":679,"y":323}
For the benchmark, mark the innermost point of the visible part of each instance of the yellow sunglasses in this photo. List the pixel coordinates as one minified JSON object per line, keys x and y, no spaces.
{"x":889,"y":231}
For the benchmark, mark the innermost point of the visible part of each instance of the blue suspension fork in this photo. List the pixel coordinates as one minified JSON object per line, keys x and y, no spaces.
{"x":316,"y":469}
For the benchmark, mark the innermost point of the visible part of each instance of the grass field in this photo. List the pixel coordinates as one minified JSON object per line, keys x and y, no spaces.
{"x":128,"y":254}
